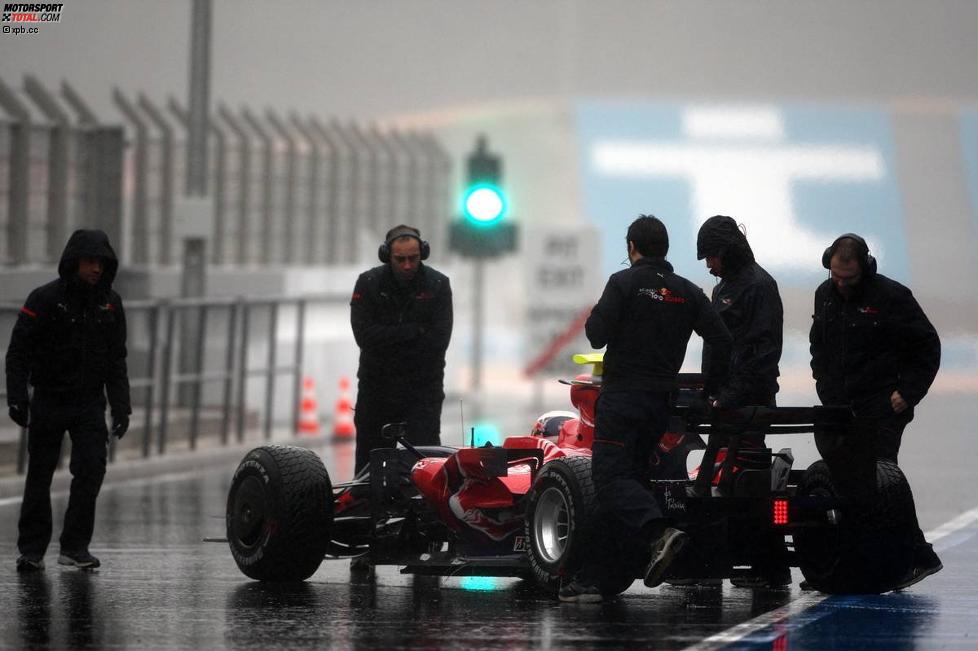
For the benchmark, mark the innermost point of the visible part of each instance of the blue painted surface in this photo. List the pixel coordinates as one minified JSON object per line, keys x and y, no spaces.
{"x":821,"y":207}
{"x":936,"y":613}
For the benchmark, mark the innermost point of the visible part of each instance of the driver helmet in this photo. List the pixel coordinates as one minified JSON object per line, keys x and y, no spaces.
{"x":548,"y":424}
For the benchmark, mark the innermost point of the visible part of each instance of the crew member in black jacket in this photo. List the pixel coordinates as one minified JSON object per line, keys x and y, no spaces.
{"x":401,"y":313}
{"x":645,"y":317}
{"x":874,"y":349}
{"x":69,"y":343}
{"x":748,"y":301}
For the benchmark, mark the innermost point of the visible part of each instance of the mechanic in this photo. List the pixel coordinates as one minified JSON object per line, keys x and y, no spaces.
{"x":69,"y":343}
{"x":874,"y":349}
{"x":747,"y":300}
{"x":645,"y":317}
{"x":401,"y":313}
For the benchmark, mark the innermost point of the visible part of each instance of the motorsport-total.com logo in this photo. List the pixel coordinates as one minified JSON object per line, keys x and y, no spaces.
{"x":24,"y":15}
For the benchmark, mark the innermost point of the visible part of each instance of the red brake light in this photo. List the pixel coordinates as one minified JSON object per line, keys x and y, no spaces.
{"x":779,"y":512}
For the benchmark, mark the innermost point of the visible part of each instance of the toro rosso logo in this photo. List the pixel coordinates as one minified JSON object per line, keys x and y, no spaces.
{"x":662,"y":294}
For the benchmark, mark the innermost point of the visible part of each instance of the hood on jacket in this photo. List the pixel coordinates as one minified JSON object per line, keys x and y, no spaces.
{"x":721,"y":236}
{"x":92,"y":244}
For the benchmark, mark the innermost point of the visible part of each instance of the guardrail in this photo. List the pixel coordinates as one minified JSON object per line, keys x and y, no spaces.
{"x":156,"y":375}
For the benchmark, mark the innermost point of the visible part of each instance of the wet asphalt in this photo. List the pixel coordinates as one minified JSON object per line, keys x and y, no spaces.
{"x":162,"y":587}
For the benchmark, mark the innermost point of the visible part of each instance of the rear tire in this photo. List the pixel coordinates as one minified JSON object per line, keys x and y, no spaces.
{"x":279,"y":513}
{"x":867,"y":556}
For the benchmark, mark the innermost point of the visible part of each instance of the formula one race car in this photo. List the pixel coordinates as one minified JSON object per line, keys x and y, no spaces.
{"x":527,"y":508}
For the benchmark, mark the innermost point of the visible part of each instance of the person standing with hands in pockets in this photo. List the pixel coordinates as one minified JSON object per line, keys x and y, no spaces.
{"x":875,"y":350}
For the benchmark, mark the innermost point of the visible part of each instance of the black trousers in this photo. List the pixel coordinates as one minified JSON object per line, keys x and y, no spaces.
{"x":876,"y":433}
{"x":373,"y":411}
{"x":84,"y":420}
{"x":628,"y":426}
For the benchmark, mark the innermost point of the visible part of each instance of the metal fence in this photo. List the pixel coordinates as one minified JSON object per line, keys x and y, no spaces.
{"x":57,"y":171}
{"x":295,"y":190}
{"x":231,"y":354}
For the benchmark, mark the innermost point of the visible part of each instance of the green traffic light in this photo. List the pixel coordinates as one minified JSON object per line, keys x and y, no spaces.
{"x":484,"y":204}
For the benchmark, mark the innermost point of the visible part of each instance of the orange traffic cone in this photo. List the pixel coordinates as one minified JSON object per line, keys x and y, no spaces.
{"x":308,"y":412}
{"x":343,"y":427}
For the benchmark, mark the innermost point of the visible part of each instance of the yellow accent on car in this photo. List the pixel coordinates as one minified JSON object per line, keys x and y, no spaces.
{"x":597,"y":359}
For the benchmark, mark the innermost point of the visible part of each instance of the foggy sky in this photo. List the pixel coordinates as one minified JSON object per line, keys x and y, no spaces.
{"x":377,"y":59}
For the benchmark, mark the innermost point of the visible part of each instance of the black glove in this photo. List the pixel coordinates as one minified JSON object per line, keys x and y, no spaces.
{"x":120,"y":425}
{"x":18,"y":412}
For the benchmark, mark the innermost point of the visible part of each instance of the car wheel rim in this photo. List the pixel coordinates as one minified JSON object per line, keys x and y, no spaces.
{"x":249,"y":512}
{"x":551,"y":526}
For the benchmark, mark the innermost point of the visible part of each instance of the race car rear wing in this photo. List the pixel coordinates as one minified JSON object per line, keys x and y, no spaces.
{"x":701,"y":419}
{"x":692,"y":414}
{"x":727,"y":427}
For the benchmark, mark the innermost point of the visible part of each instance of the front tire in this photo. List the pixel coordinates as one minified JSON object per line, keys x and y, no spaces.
{"x":279,"y":513}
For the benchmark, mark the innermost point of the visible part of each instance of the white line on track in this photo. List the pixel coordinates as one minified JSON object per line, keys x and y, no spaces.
{"x":792,"y":617}
{"x":949,"y":534}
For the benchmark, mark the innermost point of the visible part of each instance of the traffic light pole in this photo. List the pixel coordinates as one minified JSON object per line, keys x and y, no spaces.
{"x":481,"y":233}
{"x":478,"y":288}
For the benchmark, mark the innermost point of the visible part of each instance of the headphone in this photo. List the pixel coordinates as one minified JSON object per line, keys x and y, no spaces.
{"x":867,"y":263}
{"x":384,"y":252}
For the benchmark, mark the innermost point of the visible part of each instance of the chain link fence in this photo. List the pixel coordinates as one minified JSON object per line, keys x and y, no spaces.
{"x":286,"y":189}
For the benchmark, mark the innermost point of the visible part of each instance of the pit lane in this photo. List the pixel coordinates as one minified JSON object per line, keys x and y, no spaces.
{"x":161,"y":587}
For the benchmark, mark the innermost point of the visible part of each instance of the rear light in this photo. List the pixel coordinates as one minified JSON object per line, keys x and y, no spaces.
{"x":779,"y":512}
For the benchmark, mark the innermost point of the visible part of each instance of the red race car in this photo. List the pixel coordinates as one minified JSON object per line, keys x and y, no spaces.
{"x":527,"y":508}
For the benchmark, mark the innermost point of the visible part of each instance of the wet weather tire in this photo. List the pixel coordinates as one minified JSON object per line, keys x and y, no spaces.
{"x":279,"y":513}
{"x":858,"y":556}
{"x":559,"y":517}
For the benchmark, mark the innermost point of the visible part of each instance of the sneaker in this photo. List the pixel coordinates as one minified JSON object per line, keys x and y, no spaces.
{"x":764,"y":579}
{"x":576,"y":591}
{"x":82,"y":559}
{"x":926,"y":562}
{"x":664,"y":551}
{"x":30,"y":563}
